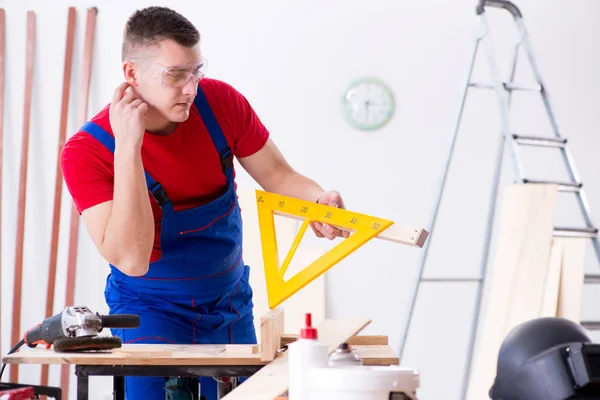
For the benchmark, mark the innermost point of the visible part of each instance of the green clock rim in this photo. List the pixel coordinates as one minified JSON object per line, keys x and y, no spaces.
{"x":374,"y":125}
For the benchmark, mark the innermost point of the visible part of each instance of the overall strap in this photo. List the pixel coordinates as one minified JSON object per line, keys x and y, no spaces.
{"x":216,"y":134}
{"x":109,"y":142}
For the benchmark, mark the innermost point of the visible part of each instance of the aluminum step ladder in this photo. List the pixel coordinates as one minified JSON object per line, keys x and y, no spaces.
{"x":513,"y":140}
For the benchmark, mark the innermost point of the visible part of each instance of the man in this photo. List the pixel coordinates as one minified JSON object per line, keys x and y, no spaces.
{"x":152,"y":176}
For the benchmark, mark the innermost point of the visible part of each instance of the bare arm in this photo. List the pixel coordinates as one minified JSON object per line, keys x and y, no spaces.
{"x":123,"y":229}
{"x":272,"y":172}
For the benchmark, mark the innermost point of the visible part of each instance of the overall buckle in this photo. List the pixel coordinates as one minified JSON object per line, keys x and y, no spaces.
{"x":226,"y":159}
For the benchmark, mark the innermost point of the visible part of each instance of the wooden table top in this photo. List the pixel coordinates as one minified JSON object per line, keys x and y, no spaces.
{"x":167,"y":354}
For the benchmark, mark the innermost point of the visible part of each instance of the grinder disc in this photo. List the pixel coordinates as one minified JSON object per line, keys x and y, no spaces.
{"x":80,"y":344}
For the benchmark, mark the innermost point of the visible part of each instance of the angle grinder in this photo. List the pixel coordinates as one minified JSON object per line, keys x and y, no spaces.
{"x":76,"y":329}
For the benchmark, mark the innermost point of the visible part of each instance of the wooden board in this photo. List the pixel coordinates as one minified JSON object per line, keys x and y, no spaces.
{"x":168,"y":354}
{"x":572,"y":261}
{"x":359,"y":340}
{"x":272,"y":380}
{"x":22,"y":199}
{"x":146,"y":354}
{"x":516,"y":288}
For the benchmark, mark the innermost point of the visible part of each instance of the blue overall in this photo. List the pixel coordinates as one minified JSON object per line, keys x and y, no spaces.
{"x":198,"y":291}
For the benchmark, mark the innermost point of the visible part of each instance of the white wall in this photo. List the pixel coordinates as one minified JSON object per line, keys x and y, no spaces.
{"x":293,"y":60}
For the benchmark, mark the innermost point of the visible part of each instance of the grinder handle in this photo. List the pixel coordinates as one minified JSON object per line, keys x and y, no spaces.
{"x":120,"y":321}
{"x":33,"y":336}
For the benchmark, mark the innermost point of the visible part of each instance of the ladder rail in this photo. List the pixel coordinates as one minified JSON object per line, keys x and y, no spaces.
{"x":439,"y":195}
{"x":501,"y":97}
{"x":567,"y":156}
{"x":490,"y":219}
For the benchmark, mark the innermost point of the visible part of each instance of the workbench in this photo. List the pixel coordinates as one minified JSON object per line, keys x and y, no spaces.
{"x":180,"y":360}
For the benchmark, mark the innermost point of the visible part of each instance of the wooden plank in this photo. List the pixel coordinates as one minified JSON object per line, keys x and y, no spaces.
{"x":58,"y":182}
{"x":398,"y":233}
{"x":161,"y":350}
{"x":516,"y":288}
{"x":564,"y":283}
{"x":170,"y":354}
{"x":82,"y":100}
{"x":359,"y":340}
{"x":552,"y":283}
{"x":272,"y":380}
{"x":572,"y":273}
{"x":145,"y":354}
{"x":20,"y":235}
{"x":271,"y":329}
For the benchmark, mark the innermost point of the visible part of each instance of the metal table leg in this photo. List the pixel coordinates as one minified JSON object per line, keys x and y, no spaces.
{"x":119,"y":388}
{"x":82,"y":387}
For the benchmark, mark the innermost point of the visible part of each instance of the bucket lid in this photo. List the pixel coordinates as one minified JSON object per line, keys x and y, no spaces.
{"x":365,"y":378}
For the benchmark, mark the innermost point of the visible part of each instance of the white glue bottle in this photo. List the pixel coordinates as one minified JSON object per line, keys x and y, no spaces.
{"x":303,"y":354}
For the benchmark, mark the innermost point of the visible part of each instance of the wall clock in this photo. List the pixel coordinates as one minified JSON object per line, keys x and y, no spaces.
{"x":368,"y":104}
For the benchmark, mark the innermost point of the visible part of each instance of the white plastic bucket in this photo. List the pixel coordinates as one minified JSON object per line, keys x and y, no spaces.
{"x":362,"y":383}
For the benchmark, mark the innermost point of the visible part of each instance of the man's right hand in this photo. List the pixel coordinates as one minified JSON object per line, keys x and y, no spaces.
{"x":127,"y":117}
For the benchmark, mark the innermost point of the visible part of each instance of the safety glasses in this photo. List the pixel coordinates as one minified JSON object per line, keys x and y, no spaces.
{"x":176,"y":76}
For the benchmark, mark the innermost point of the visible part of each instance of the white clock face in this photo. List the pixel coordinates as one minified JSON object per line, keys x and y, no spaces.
{"x":368,"y":104}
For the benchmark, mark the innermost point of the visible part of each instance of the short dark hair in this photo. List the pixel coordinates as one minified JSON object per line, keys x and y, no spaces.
{"x":151,"y":25}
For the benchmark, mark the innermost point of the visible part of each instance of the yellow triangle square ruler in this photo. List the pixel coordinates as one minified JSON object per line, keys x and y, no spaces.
{"x":362,"y":229}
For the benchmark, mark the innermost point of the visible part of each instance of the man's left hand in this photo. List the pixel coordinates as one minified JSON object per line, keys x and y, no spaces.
{"x":329,"y":198}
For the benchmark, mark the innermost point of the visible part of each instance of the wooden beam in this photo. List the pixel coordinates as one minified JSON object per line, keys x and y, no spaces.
{"x":82,"y":101}
{"x":22,"y":199}
{"x":272,"y":380}
{"x":58,"y":182}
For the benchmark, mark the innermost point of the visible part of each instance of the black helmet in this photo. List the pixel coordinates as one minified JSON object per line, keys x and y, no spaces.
{"x":547,"y":359}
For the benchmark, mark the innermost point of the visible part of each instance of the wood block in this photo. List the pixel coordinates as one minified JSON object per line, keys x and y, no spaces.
{"x":271,"y":330}
{"x":516,"y":282}
{"x":376,"y":354}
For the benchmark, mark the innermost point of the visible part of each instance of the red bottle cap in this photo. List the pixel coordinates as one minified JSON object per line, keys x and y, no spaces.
{"x":308,"y":332}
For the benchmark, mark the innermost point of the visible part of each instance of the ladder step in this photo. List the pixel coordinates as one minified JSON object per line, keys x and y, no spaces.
{"x":591,"y":325}
{"x":591,"y":278}
{"x":562,"y":186}
{"x":451,"y":280}
{"x":540,"y":141}
{"x":576,"y":232}
{"x":508,"y":86}
{"x":528,"y":88}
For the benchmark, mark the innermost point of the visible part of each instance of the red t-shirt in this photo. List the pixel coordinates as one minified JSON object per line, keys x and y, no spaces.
{"x":186,"y":162}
